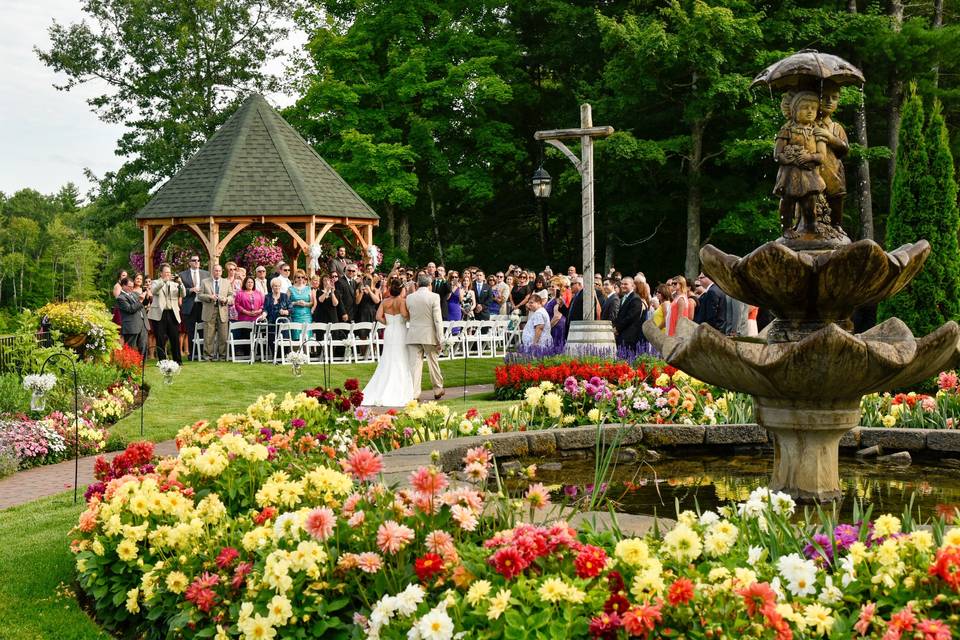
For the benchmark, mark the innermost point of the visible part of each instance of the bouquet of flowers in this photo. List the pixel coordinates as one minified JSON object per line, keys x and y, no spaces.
{"x":298,"y":358}
{"x":40,"y":384}
{"x":168,"y":367}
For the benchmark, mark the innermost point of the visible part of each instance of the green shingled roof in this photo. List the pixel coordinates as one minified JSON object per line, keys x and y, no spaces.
{"x":256,"y":164}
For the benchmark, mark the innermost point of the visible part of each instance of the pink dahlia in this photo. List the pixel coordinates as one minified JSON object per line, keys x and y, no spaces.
{"x":363,"y":464}
{"x":320,"y":523}
{"x":392,"y":537}
{"x":429,"y":480}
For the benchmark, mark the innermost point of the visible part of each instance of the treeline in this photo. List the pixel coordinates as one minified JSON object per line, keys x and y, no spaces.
{"x":428,"y":109}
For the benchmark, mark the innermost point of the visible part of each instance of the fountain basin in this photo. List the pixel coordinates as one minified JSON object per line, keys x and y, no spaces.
{"x":807,"y":290}
{"x":807,"y":393}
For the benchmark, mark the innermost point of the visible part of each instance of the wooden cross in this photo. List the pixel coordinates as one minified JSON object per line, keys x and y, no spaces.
{"x":587,"y":132}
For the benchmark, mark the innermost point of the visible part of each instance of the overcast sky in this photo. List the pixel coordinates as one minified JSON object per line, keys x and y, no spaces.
{"x":49,"y":136}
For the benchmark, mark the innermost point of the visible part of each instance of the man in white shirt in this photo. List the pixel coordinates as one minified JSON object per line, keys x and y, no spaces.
{"x":284,"y":278}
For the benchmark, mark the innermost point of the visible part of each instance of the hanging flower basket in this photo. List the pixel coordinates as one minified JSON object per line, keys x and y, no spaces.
{"x":75,"y":341}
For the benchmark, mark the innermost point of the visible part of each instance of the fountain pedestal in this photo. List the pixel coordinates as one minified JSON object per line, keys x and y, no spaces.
{"x":806,"y":439}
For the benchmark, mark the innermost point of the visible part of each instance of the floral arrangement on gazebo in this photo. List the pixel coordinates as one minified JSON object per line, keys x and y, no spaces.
{"x":262,"y":251}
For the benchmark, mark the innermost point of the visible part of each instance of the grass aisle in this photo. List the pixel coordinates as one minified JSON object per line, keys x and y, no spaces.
{"x":204,"y":391}
{"x":36,"y":573}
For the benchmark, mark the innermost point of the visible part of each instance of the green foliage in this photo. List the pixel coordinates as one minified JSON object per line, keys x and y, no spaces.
{"x":13,"y":397}
{"x":924,"y":206}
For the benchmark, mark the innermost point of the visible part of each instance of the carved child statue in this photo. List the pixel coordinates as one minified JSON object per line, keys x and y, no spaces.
{"x":800,"y":150}
{"x":831,"y":170}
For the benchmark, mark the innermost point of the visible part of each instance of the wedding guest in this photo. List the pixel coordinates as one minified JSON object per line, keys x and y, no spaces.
{"x":453,"y":301}
{"x":302,"y":302}
{"x":520,"y":294}
{"x":680,"y":306}
{"x":663,"y":305}
{"x":611,"y":301}
{"x":553,"y":309}
{"x":628,"y":324}
{"x":275,"y":306}
{"x":164,"y":314}
{"x":249,"y":301}
{"x":338,"y":263}
{"x":117,"y":288}
{"x":326,"y":309}
{"x":346,"y":288}
{"x":133,"y":318}
{"x":469,"y":300}
{"x":537,"y":330}
{"x":190,"y":311}
{"x":494,"y":301}
{"x":216,"y":294}
{"x":283,"y":275}
{"x":260,"y":282}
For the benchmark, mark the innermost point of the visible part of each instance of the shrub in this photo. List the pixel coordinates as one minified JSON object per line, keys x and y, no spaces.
{"x":8,"y":461}
{"x":13,"y":397}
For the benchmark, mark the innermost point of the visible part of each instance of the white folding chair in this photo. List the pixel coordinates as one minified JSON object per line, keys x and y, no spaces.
{"x":486,"y":338}
{"x":500,"y":335}
{"x":318,"y":344}
{"x":285,"y":342}
{"x":198,"y":341}
{"x":457,"y":338}
{"x":261,"y":338}
{"x":363,"y":342}
{"x":341,"y":337}
{"x":446,"y":350}
{"x":233,"y":341}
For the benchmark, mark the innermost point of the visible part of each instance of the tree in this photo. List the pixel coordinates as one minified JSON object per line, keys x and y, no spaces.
{"x":420,"y":82}
{"x":696,"y":52}
{"x":924,"y":205}
{"x":174,"y":69}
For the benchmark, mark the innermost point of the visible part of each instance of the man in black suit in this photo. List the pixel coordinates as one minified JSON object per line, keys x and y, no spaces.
{"x":346,"y":289}
{"x":628,"y":324}
{"x":190,"y":311}
{"x":442,"y":289}
{"x":611,"y":300}
{"x":711,"y":308}
{"x":133,"y":318}
{"x":484,"y":295}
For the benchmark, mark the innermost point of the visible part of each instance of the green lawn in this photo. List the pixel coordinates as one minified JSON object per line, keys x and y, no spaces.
{"x":36,"y":573}
{"x":205,"y":390}
{"x":485,"y":403}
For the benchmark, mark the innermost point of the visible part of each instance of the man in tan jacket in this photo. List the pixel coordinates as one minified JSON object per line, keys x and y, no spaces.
{"x":424,"y":334}
{"x":164,"y":313}
{"x":216,"y":294}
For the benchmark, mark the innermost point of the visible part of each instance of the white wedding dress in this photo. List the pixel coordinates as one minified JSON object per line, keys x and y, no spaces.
{"x":392,"y":382}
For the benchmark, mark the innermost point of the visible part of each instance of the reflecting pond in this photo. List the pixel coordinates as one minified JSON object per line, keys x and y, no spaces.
{"x":710,"y":479}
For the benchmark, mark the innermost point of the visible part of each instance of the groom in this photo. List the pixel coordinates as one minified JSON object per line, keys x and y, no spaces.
{"x":424,"y":334}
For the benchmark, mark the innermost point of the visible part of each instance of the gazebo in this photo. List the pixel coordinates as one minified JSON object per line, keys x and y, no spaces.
{"x":256,"y":173}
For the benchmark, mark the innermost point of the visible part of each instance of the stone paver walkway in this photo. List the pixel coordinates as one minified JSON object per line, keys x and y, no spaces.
{"x":32,"y":484}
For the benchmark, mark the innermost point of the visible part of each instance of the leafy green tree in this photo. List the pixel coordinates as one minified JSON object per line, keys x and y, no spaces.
{"x":173,"y":69}
{"x":696,"y":55}
{"x":421,"y":82}
{"x":923,"y":206}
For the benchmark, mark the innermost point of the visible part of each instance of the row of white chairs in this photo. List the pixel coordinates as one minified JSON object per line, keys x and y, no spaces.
{"x":337,"y":342}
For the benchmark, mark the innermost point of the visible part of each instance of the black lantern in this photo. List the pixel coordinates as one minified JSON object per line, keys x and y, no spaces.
{"x":541,"y":183}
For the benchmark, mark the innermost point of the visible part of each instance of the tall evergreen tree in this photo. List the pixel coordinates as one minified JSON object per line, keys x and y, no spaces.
{"x":923,"y":205}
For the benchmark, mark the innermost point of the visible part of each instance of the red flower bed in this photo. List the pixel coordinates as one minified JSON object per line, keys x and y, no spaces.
{"x":513,"y":379}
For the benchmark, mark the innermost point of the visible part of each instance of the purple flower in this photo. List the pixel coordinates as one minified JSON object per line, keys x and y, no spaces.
{"x":266,"y":432}
{"x":271,"y":453}
{"x":298,"y":423}
{"x":821,"y":554}
{"x":845,"y":535}
{"x":407,"y":432}
{"x":570,"y":490}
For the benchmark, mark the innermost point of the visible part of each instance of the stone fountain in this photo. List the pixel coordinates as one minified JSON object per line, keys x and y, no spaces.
{"x":808,"y":372}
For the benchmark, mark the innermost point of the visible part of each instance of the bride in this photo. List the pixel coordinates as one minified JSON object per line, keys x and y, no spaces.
{"x":392,"y":382}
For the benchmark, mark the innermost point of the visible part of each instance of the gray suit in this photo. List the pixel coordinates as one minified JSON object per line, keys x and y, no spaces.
{"x":424,"y":335}
{"x":133,"y":320}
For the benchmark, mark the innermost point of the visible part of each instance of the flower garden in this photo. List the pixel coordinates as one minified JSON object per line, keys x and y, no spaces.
{"x":275,"y":523}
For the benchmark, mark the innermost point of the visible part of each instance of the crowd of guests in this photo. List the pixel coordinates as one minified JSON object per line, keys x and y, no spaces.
{"x":159,"y":317}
